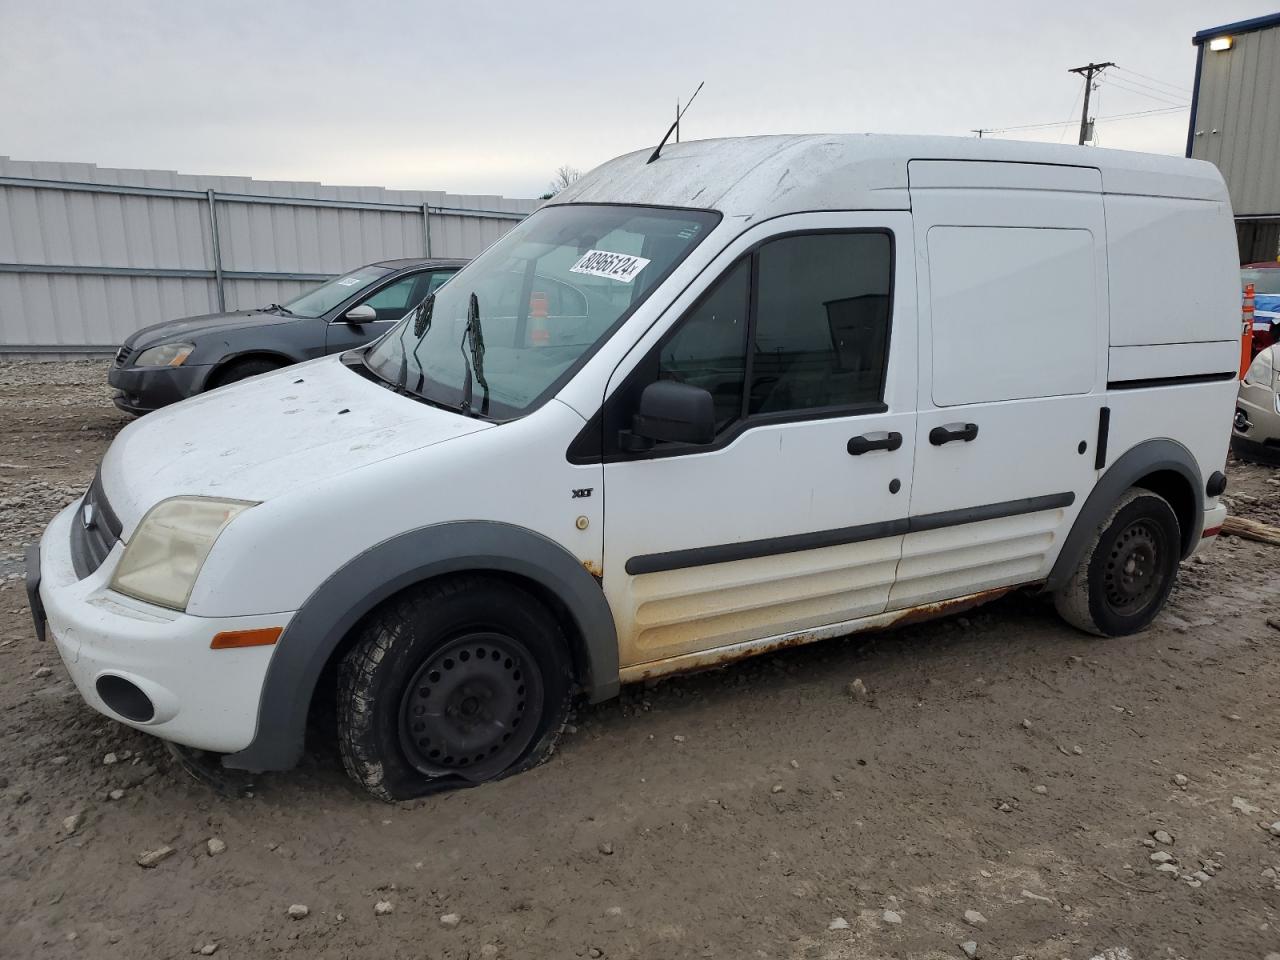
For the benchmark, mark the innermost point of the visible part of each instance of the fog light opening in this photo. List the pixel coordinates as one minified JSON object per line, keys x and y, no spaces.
{"x":125,"y":698}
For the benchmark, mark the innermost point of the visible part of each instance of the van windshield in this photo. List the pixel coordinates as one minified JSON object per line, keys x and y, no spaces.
{"x":514,"y":324}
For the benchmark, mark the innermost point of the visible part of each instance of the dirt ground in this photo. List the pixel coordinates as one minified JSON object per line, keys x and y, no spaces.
{"x":1002,"y":763}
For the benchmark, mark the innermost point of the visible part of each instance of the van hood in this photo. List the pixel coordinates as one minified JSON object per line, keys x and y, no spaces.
{"x":267,"y":436}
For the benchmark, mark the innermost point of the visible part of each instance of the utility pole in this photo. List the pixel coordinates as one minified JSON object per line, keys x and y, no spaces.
{"x":1087,"y":71}
{"x":980,"y":131}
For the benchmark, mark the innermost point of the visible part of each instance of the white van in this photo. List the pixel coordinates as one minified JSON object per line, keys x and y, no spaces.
{"x":750,"y":394}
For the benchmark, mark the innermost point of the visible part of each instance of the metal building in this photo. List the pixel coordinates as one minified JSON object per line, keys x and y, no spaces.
{"x":1235,"y":123}
{"x":90,"y":254}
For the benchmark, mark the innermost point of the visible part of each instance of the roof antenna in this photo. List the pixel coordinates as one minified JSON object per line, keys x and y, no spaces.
{"x":657,"y":151}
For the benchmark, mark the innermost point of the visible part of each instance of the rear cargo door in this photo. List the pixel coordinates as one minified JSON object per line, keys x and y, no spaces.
{"x":1012,"y":284}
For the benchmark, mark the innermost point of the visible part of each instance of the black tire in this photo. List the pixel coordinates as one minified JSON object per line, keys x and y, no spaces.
{"x":489,"y":654}
{"x":242,"y":370}
{"x":1125,"y":574}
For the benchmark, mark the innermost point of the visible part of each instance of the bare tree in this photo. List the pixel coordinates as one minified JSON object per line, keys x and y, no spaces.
{"x":564,"y":176}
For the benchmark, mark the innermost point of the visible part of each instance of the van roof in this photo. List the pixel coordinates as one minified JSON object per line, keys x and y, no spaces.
{"x":760,"y":177}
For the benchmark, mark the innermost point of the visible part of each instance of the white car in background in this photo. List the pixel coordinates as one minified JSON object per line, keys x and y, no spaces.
{"x":1256,"y":432}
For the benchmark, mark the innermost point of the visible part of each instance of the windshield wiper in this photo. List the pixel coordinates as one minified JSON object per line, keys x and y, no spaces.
{"x":421,"y":324}
{"x":473,"y":337}
{"x":279,"y":307}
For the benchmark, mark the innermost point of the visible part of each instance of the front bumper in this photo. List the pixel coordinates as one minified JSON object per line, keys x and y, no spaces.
{"x":200,"y":697}
{"x":143,"y":389}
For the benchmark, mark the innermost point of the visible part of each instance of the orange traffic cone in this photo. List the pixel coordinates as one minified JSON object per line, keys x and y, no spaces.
{"x":1246,"y":338}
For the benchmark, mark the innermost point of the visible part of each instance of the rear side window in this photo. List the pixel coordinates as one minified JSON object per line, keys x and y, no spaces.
{"x":437,"y":279}
{"x":1013,"y":312}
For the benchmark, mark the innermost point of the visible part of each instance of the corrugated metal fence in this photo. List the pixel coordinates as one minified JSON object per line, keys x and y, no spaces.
{"x":89,"y":254}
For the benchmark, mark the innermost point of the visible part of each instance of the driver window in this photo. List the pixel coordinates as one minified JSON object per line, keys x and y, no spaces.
{"x":392,"y":302}
{"x":709,"y":348}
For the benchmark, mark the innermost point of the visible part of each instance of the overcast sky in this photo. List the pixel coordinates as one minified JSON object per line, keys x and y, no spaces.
{"x":491,"y":97}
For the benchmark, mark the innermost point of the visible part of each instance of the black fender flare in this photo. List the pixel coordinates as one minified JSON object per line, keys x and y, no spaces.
{"x":1146,"y":458}
{"x":258,"y":352}
{"x":337,"y":605}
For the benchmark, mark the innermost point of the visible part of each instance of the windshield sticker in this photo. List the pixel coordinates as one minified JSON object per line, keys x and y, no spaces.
{"x":613,"y":266}
{"x":348,"y":281}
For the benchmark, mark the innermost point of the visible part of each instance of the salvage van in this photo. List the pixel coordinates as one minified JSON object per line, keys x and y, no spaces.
{"x":711,"y":401}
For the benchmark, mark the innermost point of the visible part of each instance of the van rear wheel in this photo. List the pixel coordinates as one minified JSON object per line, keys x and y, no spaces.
{"x":1128,"y":569}
{"x":451,"y":684}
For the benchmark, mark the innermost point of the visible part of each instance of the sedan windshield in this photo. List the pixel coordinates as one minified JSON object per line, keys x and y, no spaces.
{"x":514,"y":324}
{"x":318,"y":302}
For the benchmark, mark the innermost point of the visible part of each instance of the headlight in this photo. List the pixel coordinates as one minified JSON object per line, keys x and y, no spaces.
{"x":165,"y":355}
{"x":164,"y":557}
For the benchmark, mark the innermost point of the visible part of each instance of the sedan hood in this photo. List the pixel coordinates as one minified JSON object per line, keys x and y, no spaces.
{"x":188,"y":327}
{"x":268,"y":436}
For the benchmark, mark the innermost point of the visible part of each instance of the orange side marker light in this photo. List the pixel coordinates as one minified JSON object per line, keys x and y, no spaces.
{"x":233,"y":639}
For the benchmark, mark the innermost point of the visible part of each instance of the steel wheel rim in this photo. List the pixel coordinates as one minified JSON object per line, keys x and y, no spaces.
{"x":472,"y":707}
{"x":1134,"y":577}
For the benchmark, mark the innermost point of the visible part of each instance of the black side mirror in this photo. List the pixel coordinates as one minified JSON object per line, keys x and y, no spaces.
{"x":677,"y":412}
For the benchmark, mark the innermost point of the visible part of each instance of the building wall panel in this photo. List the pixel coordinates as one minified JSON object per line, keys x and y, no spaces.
{"x":75,"y":233}
{"x":1237,"y":119}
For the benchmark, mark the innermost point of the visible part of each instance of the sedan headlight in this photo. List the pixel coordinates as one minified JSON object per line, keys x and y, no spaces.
{"x":165,"y":355}
{"x":164,"y":557}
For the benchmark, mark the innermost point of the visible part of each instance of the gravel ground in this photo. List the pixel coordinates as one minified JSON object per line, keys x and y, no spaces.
{"x":1005,"y":786}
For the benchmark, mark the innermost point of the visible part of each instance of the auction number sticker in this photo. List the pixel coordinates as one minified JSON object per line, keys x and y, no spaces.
{"x":614,"y":266}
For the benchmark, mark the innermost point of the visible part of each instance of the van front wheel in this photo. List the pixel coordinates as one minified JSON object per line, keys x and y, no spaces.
{"x":452,"y":684}
{"x":1125,"y":574}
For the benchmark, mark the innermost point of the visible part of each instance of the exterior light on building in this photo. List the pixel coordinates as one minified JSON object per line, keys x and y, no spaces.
{"x":1218,"y":44}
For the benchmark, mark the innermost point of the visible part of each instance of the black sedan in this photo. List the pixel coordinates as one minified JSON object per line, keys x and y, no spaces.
{"x":171,"y":361}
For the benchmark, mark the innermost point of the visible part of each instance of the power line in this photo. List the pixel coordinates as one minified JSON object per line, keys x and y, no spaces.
{"x":1139,"y":86}
{"x":1121,"y":83}
{"x":1186,"y":91}
{"x":1068,"y":123}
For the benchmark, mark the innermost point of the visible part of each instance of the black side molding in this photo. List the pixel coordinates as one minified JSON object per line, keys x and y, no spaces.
{"x":1171,"y":381}
{"x":773,"y":546}
{"x":989,"y":511}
